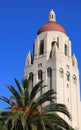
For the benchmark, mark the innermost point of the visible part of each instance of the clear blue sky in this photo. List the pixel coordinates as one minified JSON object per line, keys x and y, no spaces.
{"x":19,"y":22}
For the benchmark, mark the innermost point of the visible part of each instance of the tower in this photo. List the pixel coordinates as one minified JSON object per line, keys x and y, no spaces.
{"x":54,"y":63}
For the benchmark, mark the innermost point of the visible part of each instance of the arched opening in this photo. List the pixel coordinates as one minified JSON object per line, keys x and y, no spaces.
{"x":54,"y":43}
{"x":41,"y":47}
{"x":61,"y":72}
{"x":74,"y":79}
{"x":40,"y":77}
{"x":68,"y":76}
{"x":65,"y":50}
{"x":49,"y":74}
{"x":31,"y":77}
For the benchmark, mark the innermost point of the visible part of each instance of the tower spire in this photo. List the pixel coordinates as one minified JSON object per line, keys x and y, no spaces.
{"x":52,"y":16}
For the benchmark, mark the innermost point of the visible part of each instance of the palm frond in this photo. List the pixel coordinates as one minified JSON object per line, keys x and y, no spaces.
{"x":57,"y":108}
{"x":19,"y":86}
{"x":7,"y":100}
{"x":16,"y":94}
{"x":47,"y":96}
{"x":57,"y":120}
{"x":35,"y":90}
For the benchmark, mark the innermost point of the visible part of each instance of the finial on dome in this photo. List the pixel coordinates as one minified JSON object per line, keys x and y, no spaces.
{"x":52,"y":16}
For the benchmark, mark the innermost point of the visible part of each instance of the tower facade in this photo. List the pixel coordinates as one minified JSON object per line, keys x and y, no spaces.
{"x":54,"y":63}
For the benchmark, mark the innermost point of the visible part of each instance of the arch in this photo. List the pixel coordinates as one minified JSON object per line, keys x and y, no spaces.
{"x":68,"y":76}
{"x":74,"y":79}
{"x":40,"y":75}
{"x":49,"y":74}
{"x":61,"y":72}
{"x":53,"y":43}
{"x":40,"y":78}
{"x":31,"y":77}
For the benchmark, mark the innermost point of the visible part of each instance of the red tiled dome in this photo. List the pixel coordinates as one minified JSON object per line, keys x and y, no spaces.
{"x":51,"y":26}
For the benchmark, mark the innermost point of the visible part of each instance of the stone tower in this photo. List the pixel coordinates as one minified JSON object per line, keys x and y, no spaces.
{"x":54,"y":63}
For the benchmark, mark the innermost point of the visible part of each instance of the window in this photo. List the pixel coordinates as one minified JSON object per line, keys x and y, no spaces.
{"x":39,"y":65}
{"x":53,"y":43}
{"x":74,"y":79}
{"x":49,"y":74}
{"x":49,"y":71}
{"x":41,"y":48}
{"x":61,"y":72}
{"x":67,"y":85}
{"x":65,"y":49}
{"x":68,"y":76}
{"x":40,"y":77}
{"x":31,"y":77}
{"x":52,"y":16}
{"x":40,"y":74}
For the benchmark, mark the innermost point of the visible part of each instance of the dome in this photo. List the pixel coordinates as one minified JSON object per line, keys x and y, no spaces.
{"x":51,"y":25}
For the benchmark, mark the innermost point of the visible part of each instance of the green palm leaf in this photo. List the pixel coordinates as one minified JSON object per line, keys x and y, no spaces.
{"x":35,"y":90}
{"x":19,"y":86}
{"x":16,"y":95}
{"x":7,"y":100}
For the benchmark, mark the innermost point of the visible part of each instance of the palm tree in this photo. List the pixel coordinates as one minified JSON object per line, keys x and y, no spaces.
{"x":27,"y":110}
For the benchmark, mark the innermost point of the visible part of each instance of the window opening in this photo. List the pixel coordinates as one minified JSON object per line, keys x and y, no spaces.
{"x":40,"y":74}
{"x":41,"y":47}
{"x":68,"y":76}
{"x":61,"y":72}
{"x":31,"y":78}
{"x":49,"y":74}
{"x":65,"y":49}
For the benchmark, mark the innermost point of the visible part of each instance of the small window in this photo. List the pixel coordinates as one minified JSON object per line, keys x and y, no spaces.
{"x":31,"y":77}
{"x":65,"y":50}
{"x":68,"y":76}
{"x":49,"y":72}
{"x":61,"y":73}
{"x":74,"y":79}
{"x":53,"y":43}
{"x":40,"y":74}
{"x":52,"y":16}
{"x":41,"y":50}
{"x":39,"y":65}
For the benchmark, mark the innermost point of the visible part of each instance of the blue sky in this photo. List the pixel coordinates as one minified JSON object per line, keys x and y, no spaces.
{"x":19,"y":23}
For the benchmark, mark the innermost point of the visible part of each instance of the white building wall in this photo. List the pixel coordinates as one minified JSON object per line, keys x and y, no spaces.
{"x":67,"y":91}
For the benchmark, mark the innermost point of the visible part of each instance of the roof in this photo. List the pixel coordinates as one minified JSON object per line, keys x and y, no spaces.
{"x":51,"y":26}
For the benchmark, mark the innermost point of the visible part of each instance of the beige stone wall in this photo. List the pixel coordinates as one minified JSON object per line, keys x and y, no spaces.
{"x":67,"y":91}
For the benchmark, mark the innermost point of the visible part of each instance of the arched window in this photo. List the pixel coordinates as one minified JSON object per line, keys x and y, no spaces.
{"x":49,"y":74}
{"x":53,"y":43}
{"x":68,"y":76}
{"x":65,"y":50}
{"x":40,"y":76}
{"x":52,"y":16}
{"x":74,"y":79}
{"x":31,"y":77}
{"x":41,"y":47}
{"x":61,"y":72}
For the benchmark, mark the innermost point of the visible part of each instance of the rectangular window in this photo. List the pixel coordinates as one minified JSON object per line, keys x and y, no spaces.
{"x":41,"y":51}
{"x":65,"y":50}
{"x":39,"y":65}
{"x":68,"y":77}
